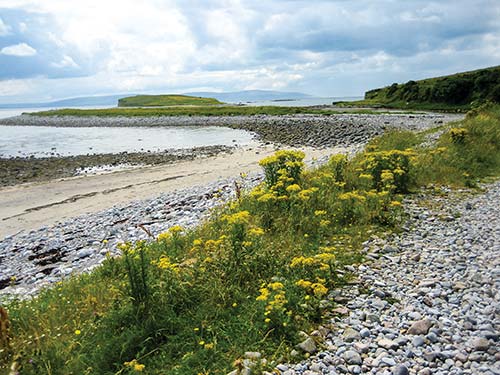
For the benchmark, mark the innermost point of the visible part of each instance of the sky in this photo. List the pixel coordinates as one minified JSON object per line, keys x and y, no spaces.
{"x":54,"y":49}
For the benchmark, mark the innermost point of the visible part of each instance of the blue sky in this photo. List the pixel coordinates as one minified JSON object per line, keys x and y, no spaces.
{"x":51,"y":49}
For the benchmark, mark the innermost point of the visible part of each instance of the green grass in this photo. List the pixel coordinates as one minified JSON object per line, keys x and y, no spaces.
{"x":405,"y":106}
{"x":454,"y":93}
{"x":253,"y":275}
{"x":165,"y":100}
{"x":226,"y":110}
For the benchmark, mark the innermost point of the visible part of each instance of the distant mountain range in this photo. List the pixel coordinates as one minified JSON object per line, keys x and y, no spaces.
{"x":112,"y":100}
{"x":85,"y":101}
{"x":250,"y":95}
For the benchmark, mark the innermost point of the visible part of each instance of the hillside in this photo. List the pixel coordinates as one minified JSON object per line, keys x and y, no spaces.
{"x":83,"y":101}
{"x":453,"y":91}
{"x":164,"y":100}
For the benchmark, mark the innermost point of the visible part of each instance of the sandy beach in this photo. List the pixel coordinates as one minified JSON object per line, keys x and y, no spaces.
{"x":33,"y":205}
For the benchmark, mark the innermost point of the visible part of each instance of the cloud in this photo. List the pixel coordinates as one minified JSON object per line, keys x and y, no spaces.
{"x":4,"y":29}
{"x":323,"y":47}
{"x":66,"y":62}
{"x":20,"y":50}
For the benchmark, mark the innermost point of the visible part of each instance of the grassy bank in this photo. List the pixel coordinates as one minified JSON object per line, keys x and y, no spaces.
{"x":165,"y":100}
{"x":251,"y":277}
{"x":405,"y":106}
{"x":228,"y":110}
{"x":453,"y":93}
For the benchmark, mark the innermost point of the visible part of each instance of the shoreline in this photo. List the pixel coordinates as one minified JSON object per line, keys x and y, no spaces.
{"x":70,"y":225}
{"x":291,"y":130}
{"x":32,"y":205}
{"x":20,"y":170}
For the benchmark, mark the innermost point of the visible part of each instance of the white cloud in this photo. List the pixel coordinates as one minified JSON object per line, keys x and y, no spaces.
{"x":23,"y":27}
{"x":21,"y":50}
{"x":66,"y":62}
{"x":4,"y":28}
{"x":14,"y":87}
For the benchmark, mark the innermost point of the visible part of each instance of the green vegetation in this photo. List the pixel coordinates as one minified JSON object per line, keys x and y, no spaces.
{"x":165,"y":100}
{"x":192,"y":301}
{"x":226,"y":110}
{"x":457,"y":92}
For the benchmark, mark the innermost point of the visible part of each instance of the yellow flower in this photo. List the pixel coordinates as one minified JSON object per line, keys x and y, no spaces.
{"x":201,"y":343}
{"x":136,"y":366}
{"x":176,"y":229}
{"x":77,"y":332}
{"x":256,"y":231}
{"x":164,"y":236}
{"x":197,"y":242}
{"x":396,"y":204}
{"x":209,"y":346}
{"x":164,"y":263}
{"x":303,"y":283}
{"x":319,"y":289}
{"x":264,"y":294}
{"x":196,"y":329}
{"x":276,"y":285}
{"x":267,"y":197}
{"x":319,"y":212}
{"x":293,"y":188}
{"x":241,"y":217}
{"x":139,"y":367}
{"x":234,"y":304}
{"x":267,"y":320}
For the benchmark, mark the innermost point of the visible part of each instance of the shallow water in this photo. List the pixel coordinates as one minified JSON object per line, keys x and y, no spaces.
{"x":42,"y":141}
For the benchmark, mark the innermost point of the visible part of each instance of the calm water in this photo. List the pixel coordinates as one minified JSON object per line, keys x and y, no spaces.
{"x":304,"y":102}
{"x":11,"y":112}
{"x":47,"y":141}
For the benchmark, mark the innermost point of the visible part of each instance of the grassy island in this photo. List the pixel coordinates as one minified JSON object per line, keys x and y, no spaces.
{"x":165,"y":101}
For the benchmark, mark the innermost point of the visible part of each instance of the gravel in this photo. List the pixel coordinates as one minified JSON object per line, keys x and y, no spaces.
{"x":441,"y":310}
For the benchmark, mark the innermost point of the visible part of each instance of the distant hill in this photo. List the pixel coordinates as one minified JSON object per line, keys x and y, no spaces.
{"x":454,"y":90}
{"x":105,"y":100}
{"x":112,"y":100}
{"x":165,"y":100}
{"x":250,"y":95}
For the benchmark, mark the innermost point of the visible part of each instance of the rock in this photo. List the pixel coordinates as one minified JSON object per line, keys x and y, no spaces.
{"x":388,"y":361}
{"x":420,"y":327}
{"x":252,"y":355}
{"x":387,"y":344}
{"x":308,"y":346}
{"x":282,"y":368}
{"x":431,"y":356}
{"x":361,"y":347}
{"x":400,"y":370}
{"x":479,"y":344}
{"x":352,"y":357}
{"x":84,"y":253}
{"x":389,"y":249}
{"x":351,"y":335}
{"x":418,"y":341}
{"x":365,"y":332}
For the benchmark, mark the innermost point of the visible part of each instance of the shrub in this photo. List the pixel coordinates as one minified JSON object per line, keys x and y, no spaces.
{"x":390,"y":170}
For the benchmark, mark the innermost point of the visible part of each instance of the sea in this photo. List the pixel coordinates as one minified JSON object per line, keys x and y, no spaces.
{"x":39,"y":141}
